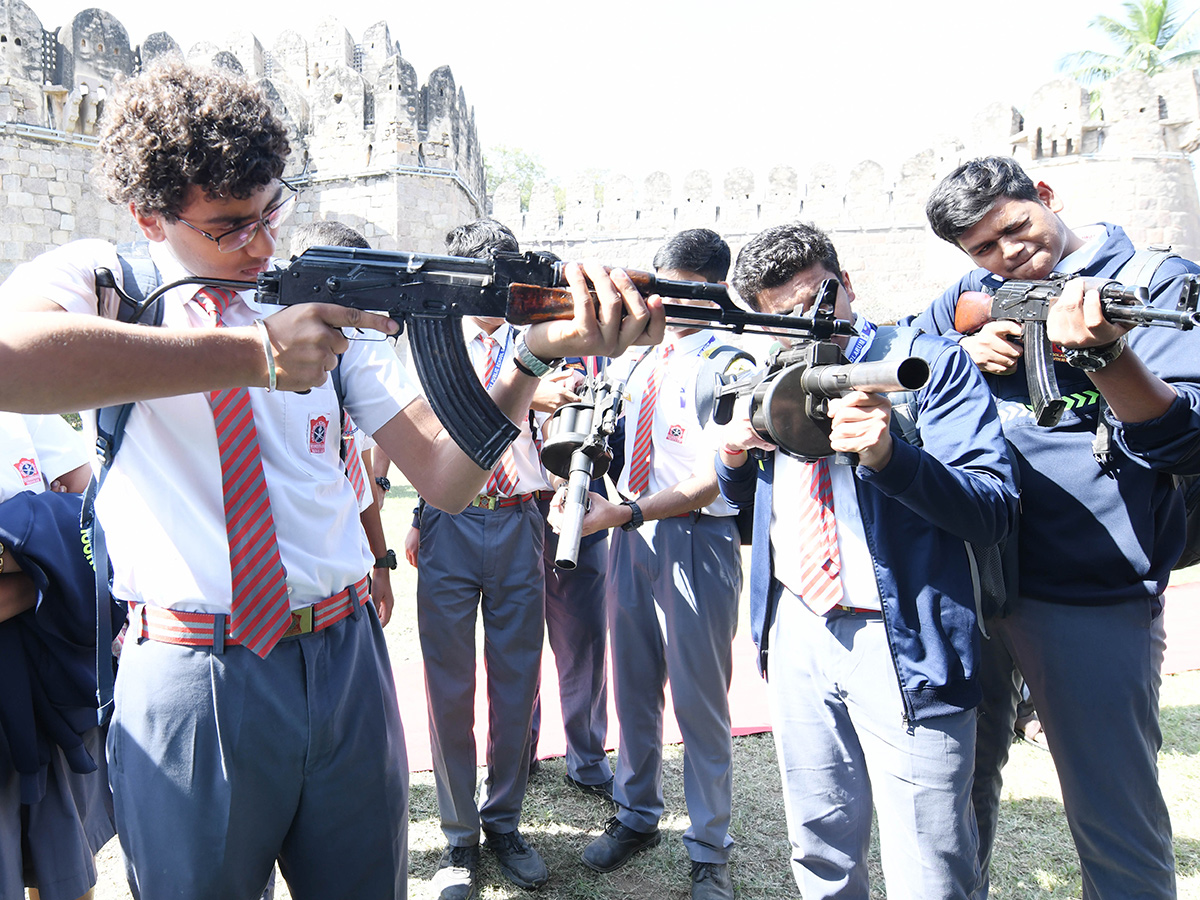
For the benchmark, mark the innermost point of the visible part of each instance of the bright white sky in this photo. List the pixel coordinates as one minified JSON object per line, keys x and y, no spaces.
{"x":637,"y":86}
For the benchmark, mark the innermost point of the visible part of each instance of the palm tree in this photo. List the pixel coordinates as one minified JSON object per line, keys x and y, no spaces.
{"x":1151,"y":40}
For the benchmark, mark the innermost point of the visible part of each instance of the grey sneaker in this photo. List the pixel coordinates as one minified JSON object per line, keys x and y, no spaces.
{"x":710,"y":881}
{"x":518,"y":860}
{"x":455,"y":878}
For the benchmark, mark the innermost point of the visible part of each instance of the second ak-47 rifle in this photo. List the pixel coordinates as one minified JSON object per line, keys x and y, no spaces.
{"x":576,"y":448}
{"x":1028,"y":302}
{"x":789,"y":398}
{"x":428,"y":295}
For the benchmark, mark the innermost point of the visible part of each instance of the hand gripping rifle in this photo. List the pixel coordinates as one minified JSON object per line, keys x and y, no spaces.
{"x":429,"y":294}
{"x":576,"y":448}
{"x":1028,"y":302}
{"x":789,"y":398}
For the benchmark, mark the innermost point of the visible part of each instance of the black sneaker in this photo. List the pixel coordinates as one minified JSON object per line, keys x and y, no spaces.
{"x":455,"y":877}
{"x":710,"y":881}
{"x":518,"y":860}
{"x":615,"y":847}
{"x":604,"y":790}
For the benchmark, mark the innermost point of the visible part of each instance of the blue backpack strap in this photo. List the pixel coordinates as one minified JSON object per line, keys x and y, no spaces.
{"x":1139,"y":270}
{"x":139,"y":277}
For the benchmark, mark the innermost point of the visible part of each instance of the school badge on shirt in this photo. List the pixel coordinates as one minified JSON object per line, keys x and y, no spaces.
{"x":28,"y":470}
{"x":675,"y":433}
{"x":318,"y":430}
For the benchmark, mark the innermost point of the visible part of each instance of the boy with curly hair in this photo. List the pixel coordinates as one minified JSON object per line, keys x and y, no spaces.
{"x":256,"y":713}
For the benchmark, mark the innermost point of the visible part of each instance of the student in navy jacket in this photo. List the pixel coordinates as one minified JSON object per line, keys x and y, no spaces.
{"x":873,"y":698}
{"x":1098,"y":536}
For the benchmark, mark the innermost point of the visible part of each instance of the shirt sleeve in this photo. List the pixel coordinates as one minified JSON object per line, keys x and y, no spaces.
{"x":65,"y":276}
{"x":60,"y":448}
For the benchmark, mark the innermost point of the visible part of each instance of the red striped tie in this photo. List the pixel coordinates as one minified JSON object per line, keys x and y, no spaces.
{"x":821,"y":582}
{"x":643,"y":440}
{"x":504,"y":478}
{"x":260,"y":609}
{"x":354,"y":466}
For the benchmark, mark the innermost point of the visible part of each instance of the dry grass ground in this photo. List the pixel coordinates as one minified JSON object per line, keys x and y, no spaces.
{"x":1034,"y":857}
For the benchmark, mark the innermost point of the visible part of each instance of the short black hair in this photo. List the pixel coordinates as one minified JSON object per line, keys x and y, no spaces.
{"x":966,"y":195}
{"x":775,"y":256}
{"x":698,"y":250}
{"x":325,"y":234}
{"x":481,"y":239}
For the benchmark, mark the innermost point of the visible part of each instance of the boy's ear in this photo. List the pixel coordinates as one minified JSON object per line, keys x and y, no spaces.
{"x":150,"y":223}
{"x":1046,"y":195}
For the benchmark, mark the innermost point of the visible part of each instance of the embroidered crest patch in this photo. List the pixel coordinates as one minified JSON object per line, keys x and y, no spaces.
{"x":28,"y":470}
{"x":318,"y":430}
{"x":675,"y":433}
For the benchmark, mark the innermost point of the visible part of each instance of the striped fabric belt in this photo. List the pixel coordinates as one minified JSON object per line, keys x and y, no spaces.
{"x":490,"y":501}
{"x":169,"y":626}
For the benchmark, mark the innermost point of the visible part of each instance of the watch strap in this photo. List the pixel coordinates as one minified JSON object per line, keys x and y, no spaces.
{"x":636,"y":520}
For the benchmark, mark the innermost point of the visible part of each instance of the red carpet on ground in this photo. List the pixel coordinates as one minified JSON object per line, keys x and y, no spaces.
{"x":747,"y":695}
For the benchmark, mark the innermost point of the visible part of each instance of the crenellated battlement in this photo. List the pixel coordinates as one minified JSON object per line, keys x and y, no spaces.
{"x":398,"y":159}
{"x":1125,"y":162}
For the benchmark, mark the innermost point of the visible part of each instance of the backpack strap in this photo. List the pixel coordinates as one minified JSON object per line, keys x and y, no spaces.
{"x":1139,"y":270}
{"x":139,"y":277}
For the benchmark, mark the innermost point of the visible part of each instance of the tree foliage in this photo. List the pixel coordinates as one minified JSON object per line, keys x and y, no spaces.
{"x":1152,"y":39}
{"x":501,"y":164}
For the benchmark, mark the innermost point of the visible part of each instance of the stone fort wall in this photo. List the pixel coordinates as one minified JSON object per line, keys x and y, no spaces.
{"x":1127,"y":160}
{"x":373,"y":146}
{"x":402,"y":162}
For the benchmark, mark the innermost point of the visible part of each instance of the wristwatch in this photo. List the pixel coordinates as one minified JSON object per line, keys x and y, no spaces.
{"x":531,"y":364}
{"x":383,"y":483}
{"x":635,"y":520}
{"x":1093,"y":359}
{"x":387,"y":561}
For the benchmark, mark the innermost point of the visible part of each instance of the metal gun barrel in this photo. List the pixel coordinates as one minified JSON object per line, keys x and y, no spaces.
{"x":574,"y":509}
{"x":871,"y":377}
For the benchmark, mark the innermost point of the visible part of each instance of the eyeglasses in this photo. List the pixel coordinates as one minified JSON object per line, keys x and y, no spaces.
{"x":237,"y":238}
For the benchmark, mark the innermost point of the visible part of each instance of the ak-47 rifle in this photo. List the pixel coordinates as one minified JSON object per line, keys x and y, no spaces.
{"x":1028,"y":302}
{"x":428,"y":295}
{"x":576,"y":448}
{"x":789,"y":398}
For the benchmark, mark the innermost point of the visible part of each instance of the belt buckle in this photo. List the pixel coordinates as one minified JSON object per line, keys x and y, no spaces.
{"x":302,"y":622}
{"x":487,"y":501}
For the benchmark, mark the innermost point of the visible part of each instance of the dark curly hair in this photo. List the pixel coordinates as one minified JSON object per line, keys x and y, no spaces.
{"x":775,"y":256}
{"x":174,"y":126}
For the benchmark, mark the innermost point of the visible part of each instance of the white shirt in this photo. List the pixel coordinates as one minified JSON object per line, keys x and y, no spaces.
{"x":680,"y":444}
{"x":35,"y":450}
{"x":162,"y":505}
{"x":793,"y":479}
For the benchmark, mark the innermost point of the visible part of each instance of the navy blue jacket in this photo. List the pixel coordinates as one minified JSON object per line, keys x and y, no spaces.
{"x":1087,"y":535}
{"x":917,"y":513}
{"x":48,"y":654}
